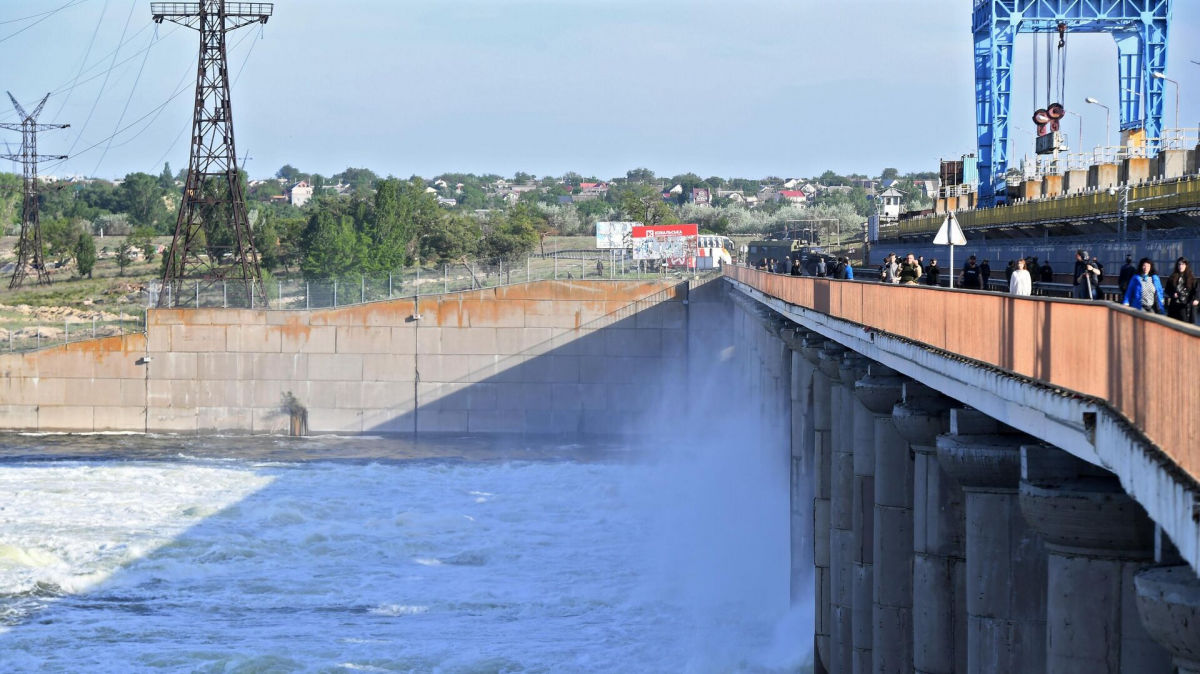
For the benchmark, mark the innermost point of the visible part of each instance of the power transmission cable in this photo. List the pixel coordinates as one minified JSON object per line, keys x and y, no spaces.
{"x":123,"y":129}
{"x":71,"y":150}
{"x":47,"y":15}
{"x":33,"y":16}
{"x":86,"y":53}
{"x":125,"y":109}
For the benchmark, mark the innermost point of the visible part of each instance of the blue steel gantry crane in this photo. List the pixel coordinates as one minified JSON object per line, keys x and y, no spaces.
{"x":1139,"y":28}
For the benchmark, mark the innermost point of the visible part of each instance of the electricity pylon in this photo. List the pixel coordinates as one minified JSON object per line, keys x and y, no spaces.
{"x":29,"y":246}
{"x":212,"y":240}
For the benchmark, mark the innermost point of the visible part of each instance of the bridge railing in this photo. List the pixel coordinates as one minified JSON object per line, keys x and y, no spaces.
{"x":1145,"y":366}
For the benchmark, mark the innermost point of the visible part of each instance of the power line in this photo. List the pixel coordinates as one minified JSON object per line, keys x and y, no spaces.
{"x":133,"y":5}
{"x":46,"y":15}
{"x":125,"y":109}
{"x":87,"y":52}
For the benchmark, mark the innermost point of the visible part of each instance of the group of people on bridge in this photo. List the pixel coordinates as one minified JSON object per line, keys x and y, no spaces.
{"x":1138,"y":286}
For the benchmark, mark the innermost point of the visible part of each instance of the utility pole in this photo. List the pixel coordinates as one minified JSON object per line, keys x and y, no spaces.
{"x":213,"y":200}
{"x":29,"y":247}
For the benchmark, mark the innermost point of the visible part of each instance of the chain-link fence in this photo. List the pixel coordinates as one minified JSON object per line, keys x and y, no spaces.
{"x":36,"y":334}
{"x":301,"y":293}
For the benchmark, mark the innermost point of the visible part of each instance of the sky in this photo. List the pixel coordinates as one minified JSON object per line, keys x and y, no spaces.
{"x":745,"y":88}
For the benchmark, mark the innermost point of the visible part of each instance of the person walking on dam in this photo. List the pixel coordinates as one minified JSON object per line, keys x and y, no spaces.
{"x":1145,"y":289}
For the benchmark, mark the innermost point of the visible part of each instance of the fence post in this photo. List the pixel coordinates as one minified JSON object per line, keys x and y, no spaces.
{"x":39,"y":336}
{"x":335,"y":292}
{"x":169,"y":298}
{"x":362,"y":289}
{"x":197,"y":293}
{"x":279,"y":297}
{"x":224,"y":294}
{"x":556,"y":265}
{"x":527,"y":264}
{"x":418,"y":293}
{"x":445,"y":277}
{"x":251,"y":293}
{"x":500,"y":278}
{"x":389,"y":285}
{"x":307,"y":303}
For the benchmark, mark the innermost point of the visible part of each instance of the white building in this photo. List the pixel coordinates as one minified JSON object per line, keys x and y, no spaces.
{"x":300,"y":193}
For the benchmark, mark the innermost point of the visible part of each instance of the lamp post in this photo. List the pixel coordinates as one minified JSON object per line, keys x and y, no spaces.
{"x":1160,"y":76}
{"x":1107,"y":119}
{"x":1080,"y":118}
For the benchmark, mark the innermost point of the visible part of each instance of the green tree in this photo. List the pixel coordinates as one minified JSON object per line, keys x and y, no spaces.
{"x":143,"y":239}
{"x":85,"y":254}
{"x":288,"y":172}
{"x":125,"y":254}
{"x":141,"y":197}
{"x":400,"y":210}
{"x":889,"y":174}
{"x":644,"y":204}
{"x":166,"y":179}
{"x":331,"y":245}
{"x":456,"y":236}
{"x":266,"y":240}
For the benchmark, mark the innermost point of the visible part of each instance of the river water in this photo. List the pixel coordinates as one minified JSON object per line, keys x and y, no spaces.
{"x":126,"y":553}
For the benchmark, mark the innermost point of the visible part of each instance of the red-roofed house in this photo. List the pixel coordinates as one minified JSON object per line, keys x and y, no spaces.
{"x":792,"y":196}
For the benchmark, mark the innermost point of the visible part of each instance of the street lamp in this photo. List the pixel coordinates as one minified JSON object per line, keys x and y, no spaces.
{"x":1107,"y":119}
{"x":1160,"y":76}
{"x":1080,"y":118}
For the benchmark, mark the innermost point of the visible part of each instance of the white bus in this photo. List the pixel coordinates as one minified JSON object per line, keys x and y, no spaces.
{"x":714,"y":251}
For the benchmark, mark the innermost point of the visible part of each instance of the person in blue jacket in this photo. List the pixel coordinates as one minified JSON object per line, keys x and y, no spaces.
{"x":1145,"y":289}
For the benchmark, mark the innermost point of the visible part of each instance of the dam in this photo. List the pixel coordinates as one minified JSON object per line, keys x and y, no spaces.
{"x":966,"y":485}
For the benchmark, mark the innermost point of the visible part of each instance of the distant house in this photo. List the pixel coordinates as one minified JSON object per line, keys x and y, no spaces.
{"x":791,"y":196}
{"x":929,"y":188}
{"x":448,"y":203}
{"x":565,"y":200}
{"x":599,"y":189}
{"x":300,"y":193}
{"x":673,"y":193}
{"x":790,"y":183}
{"x":700,"y":196}
{"x":810,"y":188}
{"x":440,"y":184}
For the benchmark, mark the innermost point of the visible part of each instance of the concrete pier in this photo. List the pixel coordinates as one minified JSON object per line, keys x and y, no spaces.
{"x":802,"y":470}
{"x":1168,"y":599}
{"x":927,"y":504}
{"x":822,"y":388}
{"x":1006,"y":562}
{"x":874,"y":431}
{"x":1097,"y":539}
{"x":841,"y":532}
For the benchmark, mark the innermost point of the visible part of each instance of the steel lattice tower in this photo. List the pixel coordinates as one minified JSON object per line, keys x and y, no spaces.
{"x":29,"y":246}
{"x":213,"y":200}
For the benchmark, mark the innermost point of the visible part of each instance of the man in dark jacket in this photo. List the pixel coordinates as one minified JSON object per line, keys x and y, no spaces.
{"x":932,"y":272}
{"x":1128,"y":271}
{"x":970,"y":277}
{"x":1046,"y":273}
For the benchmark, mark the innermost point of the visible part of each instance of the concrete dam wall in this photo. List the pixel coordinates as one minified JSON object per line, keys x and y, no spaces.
{"x":546,"y":357}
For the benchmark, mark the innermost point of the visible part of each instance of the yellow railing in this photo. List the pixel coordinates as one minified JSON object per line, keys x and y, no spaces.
{"x":1143,"y":366}
{"x":1180,"y":194}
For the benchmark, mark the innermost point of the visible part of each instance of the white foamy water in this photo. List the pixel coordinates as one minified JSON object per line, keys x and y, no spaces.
{"x":186,"y":564}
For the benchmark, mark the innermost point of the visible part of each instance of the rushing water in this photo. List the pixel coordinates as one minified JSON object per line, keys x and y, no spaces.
{"x":121,"y":553}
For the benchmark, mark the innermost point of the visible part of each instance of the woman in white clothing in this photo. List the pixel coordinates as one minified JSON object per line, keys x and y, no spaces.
{"x":1019,"y":283}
